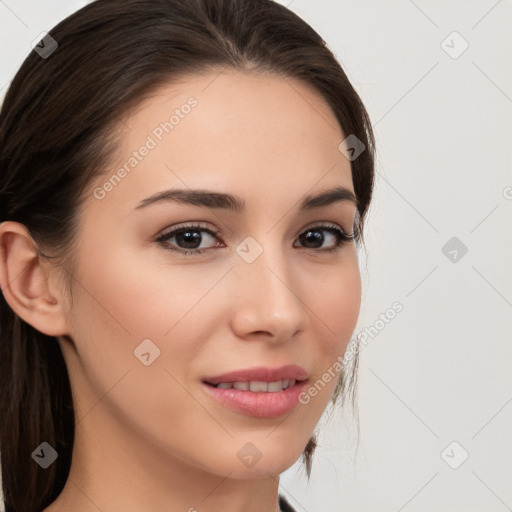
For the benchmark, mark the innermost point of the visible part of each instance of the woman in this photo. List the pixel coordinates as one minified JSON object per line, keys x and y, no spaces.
{"x":183,"y":188}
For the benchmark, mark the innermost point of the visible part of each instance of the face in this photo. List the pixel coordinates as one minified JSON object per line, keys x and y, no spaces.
{"x":260,"y":286}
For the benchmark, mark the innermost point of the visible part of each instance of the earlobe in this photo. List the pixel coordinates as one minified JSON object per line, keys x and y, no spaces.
{"x":25,"y":282}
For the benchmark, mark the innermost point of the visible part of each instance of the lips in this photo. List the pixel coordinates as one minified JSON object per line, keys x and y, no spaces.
{"x":243,"y":390}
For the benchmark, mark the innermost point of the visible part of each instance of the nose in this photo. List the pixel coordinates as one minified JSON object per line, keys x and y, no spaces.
{"x":268,"y":303}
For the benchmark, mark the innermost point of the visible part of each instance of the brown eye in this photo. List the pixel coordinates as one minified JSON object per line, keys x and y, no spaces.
{"x":313,"y":236}
{"x":188,"y":239}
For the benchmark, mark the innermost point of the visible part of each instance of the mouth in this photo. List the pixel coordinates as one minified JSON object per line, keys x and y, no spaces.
{"x":259,"y":392}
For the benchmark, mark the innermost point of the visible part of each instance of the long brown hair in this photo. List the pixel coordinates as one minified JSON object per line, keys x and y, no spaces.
{"x":56,"y":126}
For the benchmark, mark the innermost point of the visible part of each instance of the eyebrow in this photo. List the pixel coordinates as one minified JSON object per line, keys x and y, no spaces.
{"x":210,"y":199}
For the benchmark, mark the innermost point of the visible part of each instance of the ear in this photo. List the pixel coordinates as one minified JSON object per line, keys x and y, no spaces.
{"x":26,"y":284}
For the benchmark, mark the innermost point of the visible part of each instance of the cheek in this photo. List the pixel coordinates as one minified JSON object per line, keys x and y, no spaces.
{"x":132,"y":294}
{"x":336,"y":302}
{"x":127,"y":301}
{"x":119,"y":309}
{"x":336,"y":306}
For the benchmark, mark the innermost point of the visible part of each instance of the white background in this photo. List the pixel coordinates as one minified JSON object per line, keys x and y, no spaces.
{"x":440,"y":370}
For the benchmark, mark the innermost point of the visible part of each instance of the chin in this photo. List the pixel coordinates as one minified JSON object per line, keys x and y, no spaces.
{"x":253,"y":463}
{"x":260,"y":470}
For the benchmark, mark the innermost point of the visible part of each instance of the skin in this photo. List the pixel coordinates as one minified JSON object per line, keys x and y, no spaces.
{"x":148,"y":437}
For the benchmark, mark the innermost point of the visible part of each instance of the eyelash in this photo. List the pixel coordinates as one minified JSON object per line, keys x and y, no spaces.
{"x":342,"y":238}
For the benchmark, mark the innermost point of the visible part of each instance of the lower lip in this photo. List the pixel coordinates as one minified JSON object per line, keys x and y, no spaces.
{"x":258,"y":404}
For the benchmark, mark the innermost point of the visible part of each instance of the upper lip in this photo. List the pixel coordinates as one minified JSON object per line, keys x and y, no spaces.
{"x":262,"y":374}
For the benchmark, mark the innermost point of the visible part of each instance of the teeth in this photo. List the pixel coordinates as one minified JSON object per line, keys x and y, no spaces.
{"x":256,"y":385}
{"x":259,"y":386}
{"x":275,"y":386}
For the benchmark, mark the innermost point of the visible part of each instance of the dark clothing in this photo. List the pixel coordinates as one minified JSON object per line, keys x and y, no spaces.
{"x":284,"y":505}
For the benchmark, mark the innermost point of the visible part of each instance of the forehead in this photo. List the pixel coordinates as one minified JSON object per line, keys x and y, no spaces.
{"x":242,"y":131}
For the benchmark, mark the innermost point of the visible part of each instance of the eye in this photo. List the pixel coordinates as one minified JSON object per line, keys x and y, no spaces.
{"x":188,"y":238}
{"x":311,"y":236}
